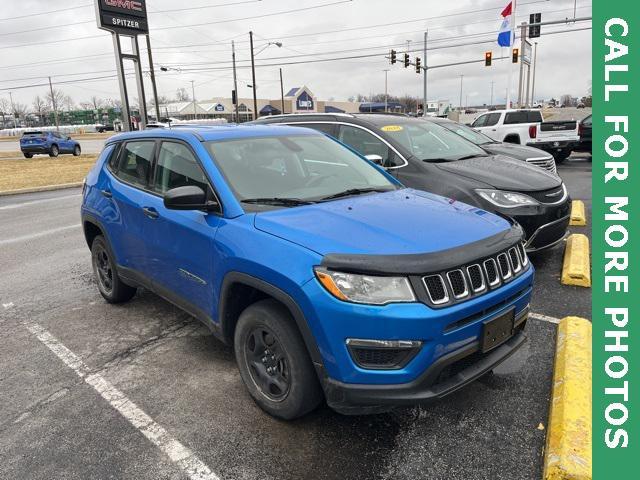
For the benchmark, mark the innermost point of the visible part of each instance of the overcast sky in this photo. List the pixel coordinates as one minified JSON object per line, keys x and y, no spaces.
{"x":564,"y":60}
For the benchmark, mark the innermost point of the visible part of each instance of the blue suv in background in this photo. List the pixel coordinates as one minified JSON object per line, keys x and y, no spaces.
{"x":51,"y":143}
{"x":329,"y":278}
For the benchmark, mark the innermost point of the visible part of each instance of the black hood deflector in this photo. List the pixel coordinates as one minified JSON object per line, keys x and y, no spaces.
{"x":424,"y":263}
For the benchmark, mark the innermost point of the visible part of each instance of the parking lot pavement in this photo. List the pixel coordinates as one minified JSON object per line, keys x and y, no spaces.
{"x":56,"y":424}
{"x":550,"y":297}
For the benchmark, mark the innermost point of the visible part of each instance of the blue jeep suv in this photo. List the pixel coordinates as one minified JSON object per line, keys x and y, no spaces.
{"x":52,"y":143}
{"x":329,"y":278}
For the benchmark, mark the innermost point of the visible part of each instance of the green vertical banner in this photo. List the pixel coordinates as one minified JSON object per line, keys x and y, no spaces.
{"x":616,"y":239}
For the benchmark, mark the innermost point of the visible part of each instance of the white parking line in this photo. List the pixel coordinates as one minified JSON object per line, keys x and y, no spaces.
{"x":32,"y":236}
{"x":544,"y":318}
{"x":36,"y":202}
{"x":184,"y":458}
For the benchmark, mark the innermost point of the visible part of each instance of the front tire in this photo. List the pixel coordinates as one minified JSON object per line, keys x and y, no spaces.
{"x":54,"y":151}
{"x":273,"y":361}
{"x":111,"y":287}
{"x":77,"y":151}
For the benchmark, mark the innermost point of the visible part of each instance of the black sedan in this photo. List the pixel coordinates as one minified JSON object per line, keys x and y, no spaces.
{"x":427,"y":156}
{"x":585,"y":129}
{"x":533,"y":156}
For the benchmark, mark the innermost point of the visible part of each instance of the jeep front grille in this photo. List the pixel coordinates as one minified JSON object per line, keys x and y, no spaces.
{"x":462,"y":283}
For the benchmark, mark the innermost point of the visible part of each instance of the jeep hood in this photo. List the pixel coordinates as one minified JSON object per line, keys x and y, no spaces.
{"x":503,"y":173}
{"x":400,"y":222}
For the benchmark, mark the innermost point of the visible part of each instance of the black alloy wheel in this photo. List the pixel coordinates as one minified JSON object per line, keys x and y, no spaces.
{"x":267,"y":363}
{"x":102,"y":267}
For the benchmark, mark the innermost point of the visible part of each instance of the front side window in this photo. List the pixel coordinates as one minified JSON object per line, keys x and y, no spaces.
{"x":429,"y":141}
{"x":135,"y":163}
{"x":480,"y":121}
{"x":492,"y":119}
{"x":367,"y":144}
{"x":177,"y":167}
{"x":300,"y":167}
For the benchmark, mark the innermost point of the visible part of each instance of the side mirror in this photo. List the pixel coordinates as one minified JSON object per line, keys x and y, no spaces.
{"x":188,"y":198}
{"x":377,"y":159}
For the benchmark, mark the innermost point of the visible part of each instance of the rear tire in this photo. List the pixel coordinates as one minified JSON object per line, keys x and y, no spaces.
{"x":28,"y":155}
{"x":273,"y":361}
{"x":111,"y":287}
{"x":77,"y":151}
{"x":54,"y":151}
{"x":561,"y":156}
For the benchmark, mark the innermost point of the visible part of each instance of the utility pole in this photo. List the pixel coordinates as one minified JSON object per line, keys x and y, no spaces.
{"x":193,"y":95}
{"x":13,"y":110}
{"x":54,"y":104}
{"x":235,"y":82}
{"x":523,"y":40}
{"x":424,"y":79}
{"x":253,"y":78}
{"x":491,"y":103}
{"x":281,"y":90}
{"x":153,"y":79}
{"x":386,"y":96}
{"x":533,"y":82}
{"x":461,"y":77}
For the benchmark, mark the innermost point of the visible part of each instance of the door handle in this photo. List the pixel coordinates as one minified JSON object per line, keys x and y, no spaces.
{"x":106,"y":193}
{"x":150,"y":212}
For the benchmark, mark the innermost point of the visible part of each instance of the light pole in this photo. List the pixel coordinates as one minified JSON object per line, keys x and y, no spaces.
{"x":193,"y":95}
{"x":234,"y":96}
{"x":54,"y":104}
{"x":386,"y":102}
{"x":424,"y":79}
{"x":282,"y":91}
{"x":253,"y":70}
{"x":491,"y":103}
{"x":533,"y":82}
{"x":460,"y":103}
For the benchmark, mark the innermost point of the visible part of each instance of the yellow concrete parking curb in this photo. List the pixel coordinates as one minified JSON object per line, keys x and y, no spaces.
{"x":576,"y":268}
{"x":567,"y":454}
{"x":578,"y":217}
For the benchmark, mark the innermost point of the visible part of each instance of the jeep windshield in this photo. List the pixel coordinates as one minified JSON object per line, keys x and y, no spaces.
{"x":430,"y":142}
{"x":292,"y":170}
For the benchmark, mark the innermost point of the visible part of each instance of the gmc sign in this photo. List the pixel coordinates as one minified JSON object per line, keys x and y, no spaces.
{"x":126,"y":17}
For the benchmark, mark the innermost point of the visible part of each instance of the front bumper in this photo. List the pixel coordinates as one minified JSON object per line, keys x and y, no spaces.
{"x":547,"y":227}
{"x":449,"y":373}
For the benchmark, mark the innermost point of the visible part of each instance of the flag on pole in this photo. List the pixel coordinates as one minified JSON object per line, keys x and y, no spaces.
{"x":505,"y":35}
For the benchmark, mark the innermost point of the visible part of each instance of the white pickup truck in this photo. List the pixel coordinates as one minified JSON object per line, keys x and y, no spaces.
{"x":527,"y":127}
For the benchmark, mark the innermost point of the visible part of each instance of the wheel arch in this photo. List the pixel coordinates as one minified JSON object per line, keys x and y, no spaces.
{"x":512,"y":138}
{"x":240,"y":290}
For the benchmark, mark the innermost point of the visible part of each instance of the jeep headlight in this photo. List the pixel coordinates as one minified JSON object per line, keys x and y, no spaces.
{"x":369,"y":289}
{"x":505,"y":199}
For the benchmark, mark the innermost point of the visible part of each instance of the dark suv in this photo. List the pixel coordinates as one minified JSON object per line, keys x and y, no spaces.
{"x":427,"y":156}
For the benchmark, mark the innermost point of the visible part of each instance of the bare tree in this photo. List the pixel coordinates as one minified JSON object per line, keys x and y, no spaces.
{"x":182,"y":95}
{"x":20,"y":109}
{"x":162,"y":100}
{"x":5,"y":109}
{"x":113,"y":103}
{"x":68,"y":103}
{"x":40,"y":108}
{"x":55,"y":99}
{"x":567,"y":100}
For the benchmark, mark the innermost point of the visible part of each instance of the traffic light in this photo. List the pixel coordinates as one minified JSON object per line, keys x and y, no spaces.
{"x":392,"y":57}
{"x":487,"y":59}
{"x":534,"y":32}
{"x":406,"y":60}
{"x":418,"y":69}
{"x":514,"y":56}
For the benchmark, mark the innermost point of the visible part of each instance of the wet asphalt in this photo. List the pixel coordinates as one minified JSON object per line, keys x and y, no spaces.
{"x":54,"y":425}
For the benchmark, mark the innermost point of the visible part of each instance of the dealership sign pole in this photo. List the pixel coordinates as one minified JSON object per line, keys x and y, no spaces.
{"x":126,"y":18}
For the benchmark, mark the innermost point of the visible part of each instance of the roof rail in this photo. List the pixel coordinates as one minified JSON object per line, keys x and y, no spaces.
{"x":336,"y":114}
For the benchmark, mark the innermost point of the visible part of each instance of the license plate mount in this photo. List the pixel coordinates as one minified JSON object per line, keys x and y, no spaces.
{"x":497,"y":330}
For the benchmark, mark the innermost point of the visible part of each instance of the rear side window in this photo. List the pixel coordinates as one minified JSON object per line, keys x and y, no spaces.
{"x":492,"y":119}
{"x":534,"y":116}
{"x":327,"y":128}
{"x":135,"y":163}
{"x":515,"y":117}
{"x":177,"y":167}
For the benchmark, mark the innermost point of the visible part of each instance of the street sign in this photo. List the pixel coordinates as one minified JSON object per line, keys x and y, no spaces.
{"x":534,"y":32}
{"x":526,"y":53}
{"x":126,"y":17}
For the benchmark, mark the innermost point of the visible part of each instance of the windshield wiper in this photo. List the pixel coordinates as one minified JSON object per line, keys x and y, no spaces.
{"x":287,"y":202}
{"x":467,"y":157}
{"x":356,"y":191}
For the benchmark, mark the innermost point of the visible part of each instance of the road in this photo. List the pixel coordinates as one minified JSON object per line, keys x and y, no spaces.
{"x":55,"y":422}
